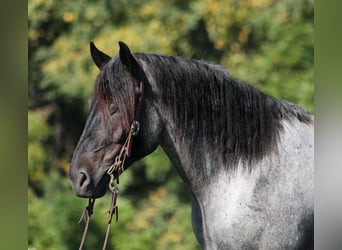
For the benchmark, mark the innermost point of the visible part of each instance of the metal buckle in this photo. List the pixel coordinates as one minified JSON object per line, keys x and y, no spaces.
{"x":111,"y":185}
{"x":135,"y":127}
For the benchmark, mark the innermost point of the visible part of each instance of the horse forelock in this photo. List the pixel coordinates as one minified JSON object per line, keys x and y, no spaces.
{"x":114,"y":85}
{"x":233,"y":119}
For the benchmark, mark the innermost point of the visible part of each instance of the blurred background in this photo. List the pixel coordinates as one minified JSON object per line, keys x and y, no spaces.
{"x":267,"y":43}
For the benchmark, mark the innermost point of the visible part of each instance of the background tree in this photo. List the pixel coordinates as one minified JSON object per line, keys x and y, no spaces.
{"x":267,"y":43}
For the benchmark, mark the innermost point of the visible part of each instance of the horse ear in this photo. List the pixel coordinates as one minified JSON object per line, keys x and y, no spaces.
{"x":98,"y":56}
{"x":127,"y":58}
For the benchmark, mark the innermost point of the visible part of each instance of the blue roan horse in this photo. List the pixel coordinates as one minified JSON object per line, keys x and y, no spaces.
{"x":246,"y":157}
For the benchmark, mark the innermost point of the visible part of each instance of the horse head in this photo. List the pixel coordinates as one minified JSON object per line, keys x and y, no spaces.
{"x":121,"y":100}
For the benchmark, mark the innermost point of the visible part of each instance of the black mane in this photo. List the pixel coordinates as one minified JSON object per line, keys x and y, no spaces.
{"x":230,"y":117}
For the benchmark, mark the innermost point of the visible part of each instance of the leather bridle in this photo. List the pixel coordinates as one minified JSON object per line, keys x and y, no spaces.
{"x":118,"y":166}
{"x":114,"y":172}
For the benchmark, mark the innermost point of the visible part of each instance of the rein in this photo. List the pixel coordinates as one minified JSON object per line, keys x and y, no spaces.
{"x":114,"y":172}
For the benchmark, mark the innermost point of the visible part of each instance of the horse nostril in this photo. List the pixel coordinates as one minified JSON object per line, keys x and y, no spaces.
{"x":84,"y":180}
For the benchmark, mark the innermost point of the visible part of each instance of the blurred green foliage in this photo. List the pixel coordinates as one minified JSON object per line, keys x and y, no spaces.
{"x":267,"y":43}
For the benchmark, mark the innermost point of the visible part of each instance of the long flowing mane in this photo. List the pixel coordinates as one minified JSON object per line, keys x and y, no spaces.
{"x":234,"y":119}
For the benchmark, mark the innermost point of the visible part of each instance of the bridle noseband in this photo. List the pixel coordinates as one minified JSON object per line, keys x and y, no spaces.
{"x":114,"y":172}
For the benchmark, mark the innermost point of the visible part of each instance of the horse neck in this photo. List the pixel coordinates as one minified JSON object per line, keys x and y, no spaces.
{"x":195,"y":159}
{"x":191,"y":151}
{"x":192,"y":157}
{"x":211,"y":122}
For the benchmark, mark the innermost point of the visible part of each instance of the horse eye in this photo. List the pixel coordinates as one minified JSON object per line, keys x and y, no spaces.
{"x":112,"y":108}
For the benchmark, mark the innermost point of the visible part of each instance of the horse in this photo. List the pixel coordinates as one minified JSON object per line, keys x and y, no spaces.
{"x":246,"y":157}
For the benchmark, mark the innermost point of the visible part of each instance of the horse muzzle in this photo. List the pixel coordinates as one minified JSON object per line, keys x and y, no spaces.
{"x":85,"y":186}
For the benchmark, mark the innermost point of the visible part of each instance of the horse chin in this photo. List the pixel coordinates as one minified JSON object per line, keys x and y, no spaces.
{"x":102,"y":187}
